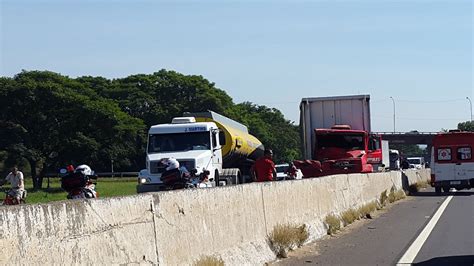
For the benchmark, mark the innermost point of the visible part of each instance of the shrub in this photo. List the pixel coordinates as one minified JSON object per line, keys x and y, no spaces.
{"x":283,"y":238}
{"x":333,"y":223}
{"x":349,"y":216}
{"x":383,"y":199}
{"x":209,"y":261}
{"x":367,"y":209}
{"x":301,"y":235}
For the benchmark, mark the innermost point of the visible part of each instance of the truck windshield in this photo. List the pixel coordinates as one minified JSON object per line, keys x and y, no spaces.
{"x":179,"y":142}
{"x":347,"y":142}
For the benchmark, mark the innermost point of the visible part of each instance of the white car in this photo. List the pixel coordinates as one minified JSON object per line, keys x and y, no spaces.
{"x":282,"y":169}
{"x":416,"y":162}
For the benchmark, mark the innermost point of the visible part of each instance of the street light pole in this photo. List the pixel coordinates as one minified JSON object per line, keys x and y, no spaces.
{"x":393,"y":113}
{"x":470,"y":105}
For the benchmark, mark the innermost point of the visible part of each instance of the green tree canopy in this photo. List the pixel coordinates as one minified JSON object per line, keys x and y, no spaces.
{"x":466,"y":126}
{"x":52,"y":120}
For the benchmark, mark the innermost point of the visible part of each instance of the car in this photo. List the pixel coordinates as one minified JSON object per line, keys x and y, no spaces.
{"x":416,"y":162}
{"x":282,"y":172}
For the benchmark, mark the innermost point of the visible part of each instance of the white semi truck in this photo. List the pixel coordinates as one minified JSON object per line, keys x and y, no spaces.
{"x":200,"y":141}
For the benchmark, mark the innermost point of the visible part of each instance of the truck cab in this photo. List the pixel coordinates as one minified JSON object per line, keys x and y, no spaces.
{"x":452,"y":163}
{"x":195,"y":145}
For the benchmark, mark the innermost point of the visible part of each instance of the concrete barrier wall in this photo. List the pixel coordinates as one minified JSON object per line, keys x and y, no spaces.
{"x":177,"y":227}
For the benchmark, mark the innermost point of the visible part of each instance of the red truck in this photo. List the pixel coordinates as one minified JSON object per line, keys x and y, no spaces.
{"x":336,"y":136}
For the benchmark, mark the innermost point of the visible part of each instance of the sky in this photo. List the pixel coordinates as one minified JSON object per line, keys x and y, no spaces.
{"x":273,"y":53}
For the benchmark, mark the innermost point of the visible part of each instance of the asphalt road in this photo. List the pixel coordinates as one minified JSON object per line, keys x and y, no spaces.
{"x":385,"y":239}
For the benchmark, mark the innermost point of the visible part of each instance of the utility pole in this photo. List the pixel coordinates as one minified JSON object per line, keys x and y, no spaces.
{"x":393,"y":113}
{"x":470,"y":105}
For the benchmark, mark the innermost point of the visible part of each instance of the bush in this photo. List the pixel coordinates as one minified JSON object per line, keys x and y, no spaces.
{"x":285,"y":237}
{"x":383,"y":199}
{"x":209,"y":261}
{"x":349,"y":216}
{"x":367,"y":209}
{"x":302,"y":234}
{"x":333,"y":223}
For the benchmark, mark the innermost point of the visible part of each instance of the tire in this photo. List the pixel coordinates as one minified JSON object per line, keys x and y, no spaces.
{"x":438,"y":190}
{"x":446,"y":189}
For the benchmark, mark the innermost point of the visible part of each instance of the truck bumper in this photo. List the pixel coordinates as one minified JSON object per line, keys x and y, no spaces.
{"x":150,"y":188}
{"x":457,"y":184}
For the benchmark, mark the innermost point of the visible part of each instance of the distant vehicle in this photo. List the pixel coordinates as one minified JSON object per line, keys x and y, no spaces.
{"x":452,"y":164}
{"x":394,"y":160}
{"x":416,"y":162}
{"x":282,"y":172}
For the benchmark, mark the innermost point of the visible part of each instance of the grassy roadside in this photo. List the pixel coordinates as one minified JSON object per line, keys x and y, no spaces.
{"x":106,"y":187}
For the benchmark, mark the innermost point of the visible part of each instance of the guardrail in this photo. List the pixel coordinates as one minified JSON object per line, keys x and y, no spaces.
{"x":406,"y":133}
{"x":103,"y":174}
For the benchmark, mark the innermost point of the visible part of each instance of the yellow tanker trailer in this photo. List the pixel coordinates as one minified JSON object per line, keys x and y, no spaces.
{"x":239,"y":148}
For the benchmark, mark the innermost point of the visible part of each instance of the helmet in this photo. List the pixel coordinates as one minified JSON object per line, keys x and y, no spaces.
{"x":171,"y":163}
{"x":84,"y":169}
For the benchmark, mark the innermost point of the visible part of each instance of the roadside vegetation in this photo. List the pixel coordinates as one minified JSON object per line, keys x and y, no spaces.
{"x":286,"y":237}
{"x":334,"y":223}
{"x":209,"y":261}
{"x":418,"y":186}
{"x":48,"y":120}
{"x":106,"y":187}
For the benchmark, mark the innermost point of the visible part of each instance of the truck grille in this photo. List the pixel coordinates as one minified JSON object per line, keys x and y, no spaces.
{"x":156,"y":167}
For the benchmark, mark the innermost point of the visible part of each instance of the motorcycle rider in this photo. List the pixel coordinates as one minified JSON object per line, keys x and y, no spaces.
{"x":16,"y":179}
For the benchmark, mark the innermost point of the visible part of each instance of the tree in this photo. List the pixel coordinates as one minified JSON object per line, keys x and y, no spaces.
{"x":159,"y":97}
{"x":466,"y":126}
{"x":52,"y":120}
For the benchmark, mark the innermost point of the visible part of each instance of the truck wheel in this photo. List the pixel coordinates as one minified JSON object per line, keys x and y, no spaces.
{"x":446,"y":189}
{"x":438,"y":190}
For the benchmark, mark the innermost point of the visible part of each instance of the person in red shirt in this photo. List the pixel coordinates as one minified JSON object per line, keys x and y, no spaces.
{"x":264,"y":168}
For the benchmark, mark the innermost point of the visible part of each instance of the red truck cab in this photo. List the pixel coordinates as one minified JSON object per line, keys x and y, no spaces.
{"x":342,"y":150}
{"x":452,"y":163}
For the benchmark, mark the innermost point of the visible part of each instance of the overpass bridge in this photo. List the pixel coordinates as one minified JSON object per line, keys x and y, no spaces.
{"x":408,"y":138}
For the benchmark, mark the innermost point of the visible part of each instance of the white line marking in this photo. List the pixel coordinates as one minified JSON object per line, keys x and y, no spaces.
{"x":415,"y":247}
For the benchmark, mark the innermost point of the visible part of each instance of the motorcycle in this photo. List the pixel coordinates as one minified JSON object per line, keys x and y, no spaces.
{"x":180,"y":178}
{"x":79,"y":183}
{"x":10,"y":199}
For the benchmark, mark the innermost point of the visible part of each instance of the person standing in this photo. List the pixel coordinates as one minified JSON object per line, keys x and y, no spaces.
{"x":264,"y":168}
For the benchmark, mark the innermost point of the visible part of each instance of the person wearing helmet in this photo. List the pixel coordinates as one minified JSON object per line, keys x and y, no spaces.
{"x":84,"y":169}
{"x":170,"y":163}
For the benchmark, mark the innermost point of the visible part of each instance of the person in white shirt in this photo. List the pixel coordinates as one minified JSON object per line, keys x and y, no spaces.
{"x":16,"y":179}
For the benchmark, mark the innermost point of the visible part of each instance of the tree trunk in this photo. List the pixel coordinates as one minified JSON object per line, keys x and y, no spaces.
{"x":41,"y":176}
{"x":33,"y":174}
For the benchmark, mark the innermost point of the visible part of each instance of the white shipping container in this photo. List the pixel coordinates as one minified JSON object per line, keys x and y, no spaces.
{"x":325,"y":112}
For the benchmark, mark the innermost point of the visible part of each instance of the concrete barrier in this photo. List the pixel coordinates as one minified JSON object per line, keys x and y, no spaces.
{"x":177,"y":227}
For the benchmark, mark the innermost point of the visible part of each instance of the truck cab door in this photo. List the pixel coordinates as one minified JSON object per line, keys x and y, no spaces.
{"x":216,"y":151}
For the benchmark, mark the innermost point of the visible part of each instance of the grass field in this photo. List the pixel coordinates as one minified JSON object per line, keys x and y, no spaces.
{"x":106,"y":187}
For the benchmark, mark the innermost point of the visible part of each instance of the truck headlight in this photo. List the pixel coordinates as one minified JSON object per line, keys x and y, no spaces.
{"x":142,"y":180}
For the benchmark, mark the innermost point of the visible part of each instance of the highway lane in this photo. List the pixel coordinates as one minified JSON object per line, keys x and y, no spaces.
{"x":384,"y":240}
{"x":452,"y":240}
